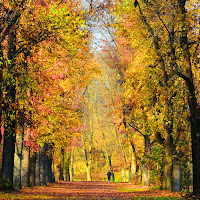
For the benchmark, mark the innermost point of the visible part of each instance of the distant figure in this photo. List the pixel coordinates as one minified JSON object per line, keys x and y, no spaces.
{"x":112,"y":175}
{"x":109,"y":175}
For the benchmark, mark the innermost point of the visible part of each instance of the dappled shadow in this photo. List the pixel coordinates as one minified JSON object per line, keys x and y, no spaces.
{"x":93,"y":190}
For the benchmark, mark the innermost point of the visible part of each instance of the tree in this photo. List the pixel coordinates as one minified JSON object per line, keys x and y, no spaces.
{"x":25,"y":25}
{"x":166,"y":25}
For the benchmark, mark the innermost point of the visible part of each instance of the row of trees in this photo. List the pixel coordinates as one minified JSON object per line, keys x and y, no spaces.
{"x":44,"y":66}
{"x":152,"y":50}
{"x":158,"y":62}
{"x":140,"y":111}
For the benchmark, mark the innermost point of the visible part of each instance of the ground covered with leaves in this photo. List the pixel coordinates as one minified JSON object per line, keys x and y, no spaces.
{"x":89,"y":190}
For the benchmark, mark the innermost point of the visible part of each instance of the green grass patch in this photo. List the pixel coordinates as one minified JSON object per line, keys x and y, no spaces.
{"x":117,"y":181}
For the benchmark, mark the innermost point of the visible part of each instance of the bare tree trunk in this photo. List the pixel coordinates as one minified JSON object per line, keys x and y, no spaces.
{"x":176,"y":174}
{"x":10,"y":122}
{"x":49,"y":168}
{"x":66,"y":168}
{"x":24,"y":167}
{"x":168,"y":164}
{"x":38,"y":169}
{"x":71,"y":167}
{"x":145,"y":175}
{"x":31,"y":168}
{"x":133,"y":166}
{"x":44,"y":162}
{"x":62,"y":165}
{"x":18,"y":161}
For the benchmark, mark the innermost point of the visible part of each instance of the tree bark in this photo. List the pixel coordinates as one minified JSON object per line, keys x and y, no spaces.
{"x":71,"y":167}
{"x":49,"y":169}
{"x":66,"y":168}
{"x":24,"y":168}
{"x":18,"y":161}
{"x":10,"y":117}
{"x":168,"y":160}
{"x":38,"y":169}
{"x":191,"y":98}
{"x":31,"y":168}
{"x":44,"y":164}
{"x":176,"y":174}
{"x":62,"y":165}
{"x":145,"y":175}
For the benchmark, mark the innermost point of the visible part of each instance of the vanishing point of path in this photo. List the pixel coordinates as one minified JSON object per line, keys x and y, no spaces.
{"x":86,"y":190}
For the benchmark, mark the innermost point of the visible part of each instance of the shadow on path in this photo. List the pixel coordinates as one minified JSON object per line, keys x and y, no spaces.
{"x":90,"y":190}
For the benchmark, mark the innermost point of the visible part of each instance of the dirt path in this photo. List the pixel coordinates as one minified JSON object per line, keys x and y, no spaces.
{"x":86,"y":190}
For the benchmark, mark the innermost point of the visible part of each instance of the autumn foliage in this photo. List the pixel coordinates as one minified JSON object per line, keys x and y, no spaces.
{"x":92,"y":86}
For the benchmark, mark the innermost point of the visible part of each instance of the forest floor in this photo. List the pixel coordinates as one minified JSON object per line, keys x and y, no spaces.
{"x":83,"y":190}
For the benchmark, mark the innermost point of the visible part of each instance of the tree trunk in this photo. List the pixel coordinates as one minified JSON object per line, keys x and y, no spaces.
{"x":1,"y":85}
{"x":168,"y":163}
{"x":133,"y":166}
{"x":37,"y":170}
{"x":123,"y":175}
{"x":31,"y":168}
{"x":44,"y":165}
{"x":71,"y":167}
{"x":49,"y":168}
{"x":66,"y":168}
{"x":24,"y":168}
{"x":18,"y":161}
{"x":88,"y":171}
{"x":57,"y":171}
{"x":145,"y":175}
{"x":176,"y":175}
{"x":191,"y":98}
{"x":145,"y":170}
{"x":10,"y":118}
{"x":62,"y":165}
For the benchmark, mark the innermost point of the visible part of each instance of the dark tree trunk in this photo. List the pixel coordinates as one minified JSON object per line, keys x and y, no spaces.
{"x":50,"y":172}
{"x":191,"y":98}
{"x":1,"y":86}
{"x":38,"y":169}
{"x":44,"y":164}
{"x":10,"y":117}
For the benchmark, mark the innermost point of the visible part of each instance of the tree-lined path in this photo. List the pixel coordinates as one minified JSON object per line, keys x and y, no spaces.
{"x":92,"y":86}
{"x":86,"y":190}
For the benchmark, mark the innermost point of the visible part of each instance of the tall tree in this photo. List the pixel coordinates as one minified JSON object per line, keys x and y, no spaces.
{"x":169,"y":26}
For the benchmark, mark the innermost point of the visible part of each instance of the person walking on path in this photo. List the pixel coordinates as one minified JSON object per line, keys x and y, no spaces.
{"x":109,"y":175}
{"x":112,"y":176}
